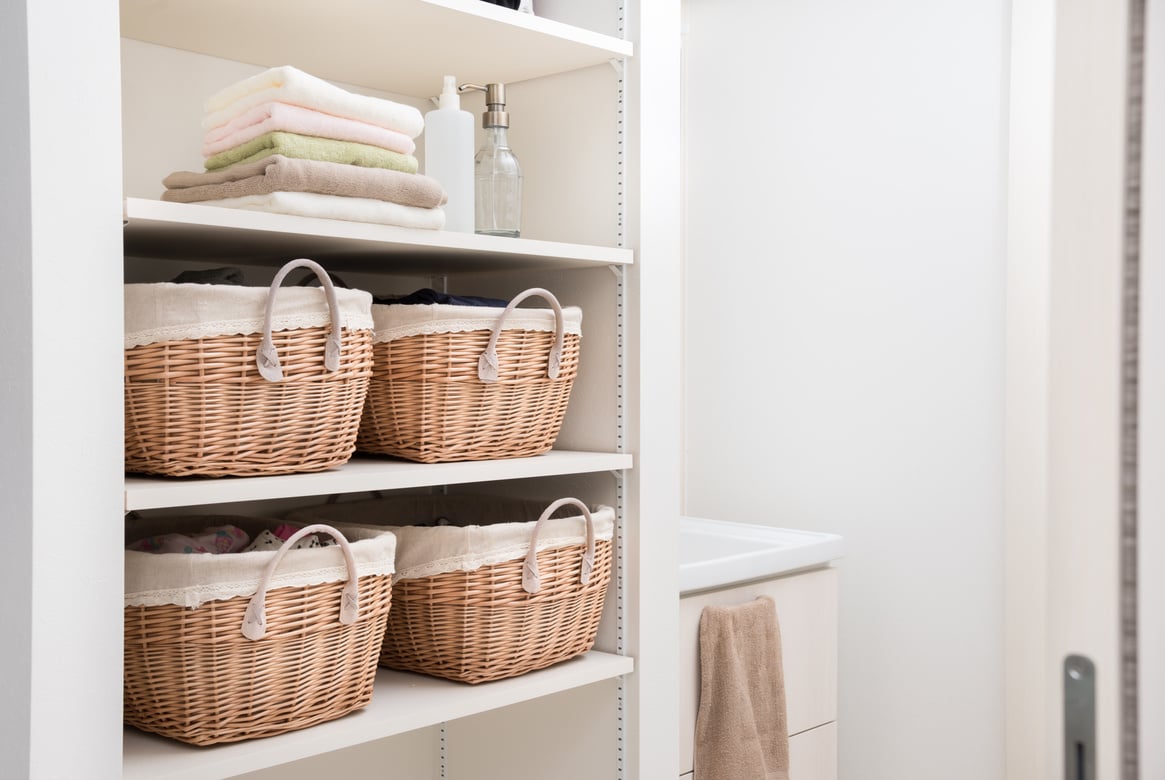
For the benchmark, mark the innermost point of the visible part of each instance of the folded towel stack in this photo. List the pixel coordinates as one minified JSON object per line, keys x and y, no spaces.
{"x":288,"y":142}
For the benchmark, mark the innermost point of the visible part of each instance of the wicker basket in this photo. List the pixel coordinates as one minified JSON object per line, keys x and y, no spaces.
{"x":248,"y":666}
{"x":487,"y":601}
{"x":239,"y":399}
{"x":476,"y":384}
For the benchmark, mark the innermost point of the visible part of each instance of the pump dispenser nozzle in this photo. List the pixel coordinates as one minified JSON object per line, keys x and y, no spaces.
{"x":450,"y":96}
{"x":495,"y":104}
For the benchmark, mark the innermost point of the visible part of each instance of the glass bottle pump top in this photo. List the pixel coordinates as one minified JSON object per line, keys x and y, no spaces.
{"x":495,"y":104}
{"x":497,"y":174}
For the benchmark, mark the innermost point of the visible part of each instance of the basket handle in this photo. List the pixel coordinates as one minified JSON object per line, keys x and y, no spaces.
{"x":487,"y":364}
{"x":266,"y":358}
{"x":531,"y":579}
{"x":255,"y":619}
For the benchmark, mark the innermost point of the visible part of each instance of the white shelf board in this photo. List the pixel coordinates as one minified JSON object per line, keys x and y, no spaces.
{"x":188,"y":231}
{"x":360,"y":474}
{"x":400,"y":46}
{"x":402,"y":702}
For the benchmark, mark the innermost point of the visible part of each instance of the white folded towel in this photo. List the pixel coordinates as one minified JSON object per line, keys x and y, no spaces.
{"x":313,"y":204}
{"x":287,"y":84}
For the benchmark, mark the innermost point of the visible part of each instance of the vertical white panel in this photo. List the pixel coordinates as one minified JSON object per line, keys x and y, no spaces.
{"x":844,"y":331}
{"x":1084,"y":364}
{"x":654,"y":287}
{"x":1029,"y":679}
{"x":1151,"y":544}
{"x":72,"y":534}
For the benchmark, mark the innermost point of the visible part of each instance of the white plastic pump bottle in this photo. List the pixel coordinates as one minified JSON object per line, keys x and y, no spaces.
{"x":449,"y":150}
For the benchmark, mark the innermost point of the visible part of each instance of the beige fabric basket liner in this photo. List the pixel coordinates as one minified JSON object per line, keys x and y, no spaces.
{"x":193,"y":579}
{"x":398,"y":321}
{"x":484,"y":530}
{"x":175,"y":312}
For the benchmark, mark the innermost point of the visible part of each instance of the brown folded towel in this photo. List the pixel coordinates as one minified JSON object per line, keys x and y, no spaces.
{"x":741,"y":727}
{"x":277,"y":173}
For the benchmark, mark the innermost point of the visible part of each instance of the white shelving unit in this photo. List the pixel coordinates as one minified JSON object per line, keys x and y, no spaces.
{"x":61,"y":416}
{"x":532,"y":47}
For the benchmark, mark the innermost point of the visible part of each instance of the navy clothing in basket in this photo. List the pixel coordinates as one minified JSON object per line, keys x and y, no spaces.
{"x":426,"y":296}
{"x":210,"y":276}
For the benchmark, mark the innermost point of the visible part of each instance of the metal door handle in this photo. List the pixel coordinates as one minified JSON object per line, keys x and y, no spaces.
{"x":1079,"y":718}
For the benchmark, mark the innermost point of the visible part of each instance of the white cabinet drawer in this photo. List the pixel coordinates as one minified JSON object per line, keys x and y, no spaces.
{"x":813,"y":754}
{"x":807,"y":613}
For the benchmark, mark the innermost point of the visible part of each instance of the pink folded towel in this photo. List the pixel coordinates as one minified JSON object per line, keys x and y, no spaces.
{"x":277,"y":173}
{"x":305,"y":121}
{"x":741,"y":727}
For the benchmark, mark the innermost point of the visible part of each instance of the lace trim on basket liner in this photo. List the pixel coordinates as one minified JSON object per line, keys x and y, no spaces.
{"x":426,"y":551}
{"x":400,"y":321}
{"x":153,"y":579}
{"x":175,"y":312}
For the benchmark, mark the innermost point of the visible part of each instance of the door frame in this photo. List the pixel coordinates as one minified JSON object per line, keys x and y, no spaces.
{"x":1062,"y":493}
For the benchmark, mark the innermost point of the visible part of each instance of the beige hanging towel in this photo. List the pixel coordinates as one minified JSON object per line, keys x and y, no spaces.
{"x":741,"y":727}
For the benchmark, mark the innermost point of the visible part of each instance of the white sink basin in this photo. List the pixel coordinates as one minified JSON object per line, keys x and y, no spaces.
{"x":718,"y":553}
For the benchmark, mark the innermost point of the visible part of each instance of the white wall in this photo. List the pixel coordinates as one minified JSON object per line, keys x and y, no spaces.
{"x":844,"y":315}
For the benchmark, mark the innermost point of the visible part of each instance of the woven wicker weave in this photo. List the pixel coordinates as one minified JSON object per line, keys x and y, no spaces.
{"x":191,"y":675}
{"x":427,"y":403}
{"x":485,"y":625}
{"x":201,"y":407}
{"x":481,"y":625}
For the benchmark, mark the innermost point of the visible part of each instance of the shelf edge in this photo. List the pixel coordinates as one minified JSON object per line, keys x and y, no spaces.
{"x":360,"y":475}
{"x":148,"y":756}
{"x":137,"y":211}
{"x":617,"y":47}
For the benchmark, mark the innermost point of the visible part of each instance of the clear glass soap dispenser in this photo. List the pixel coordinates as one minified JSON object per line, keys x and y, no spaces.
{"x":497,"y":177}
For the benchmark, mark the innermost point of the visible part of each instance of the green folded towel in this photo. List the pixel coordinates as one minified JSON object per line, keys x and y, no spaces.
{"x":310,"y":147}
